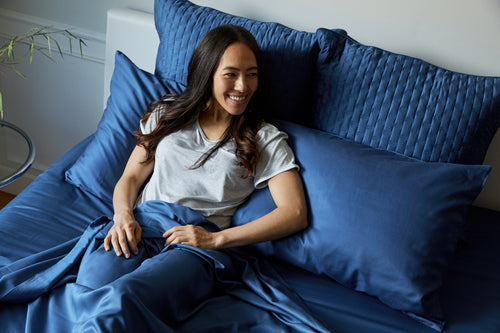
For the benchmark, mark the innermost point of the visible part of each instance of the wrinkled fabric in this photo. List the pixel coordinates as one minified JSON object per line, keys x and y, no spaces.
{"x":177,"y":288}
{"x":402,"y":104}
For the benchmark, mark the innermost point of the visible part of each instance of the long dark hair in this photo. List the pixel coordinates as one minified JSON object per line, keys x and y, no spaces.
{"x":186,"y":107}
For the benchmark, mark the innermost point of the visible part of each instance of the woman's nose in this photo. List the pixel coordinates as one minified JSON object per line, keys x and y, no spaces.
{"x":241,"y":83}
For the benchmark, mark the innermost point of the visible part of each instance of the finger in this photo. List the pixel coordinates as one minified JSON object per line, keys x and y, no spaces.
{"x":174,"y":238}
{"x":137,"y":234}
{"x":170,"y":239}
{"x":170,"y":231}
{"x":107,"y":239}
{"x":132,"y":241}
{"x":116,"y":245}
{"x":122,"y":240}
{"x":106,"y":243}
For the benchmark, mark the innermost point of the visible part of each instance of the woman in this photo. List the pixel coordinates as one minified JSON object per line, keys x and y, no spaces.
{"x":208,"y":149}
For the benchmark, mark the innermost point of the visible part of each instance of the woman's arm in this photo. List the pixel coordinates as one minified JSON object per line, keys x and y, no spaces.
{"x":289,"y":217}
{"x":125,"y":233}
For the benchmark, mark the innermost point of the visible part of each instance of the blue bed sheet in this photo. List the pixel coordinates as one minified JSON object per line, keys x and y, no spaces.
{"x":78,"y":286}
{"x":53,"y":214}
{"x":470,"y":294}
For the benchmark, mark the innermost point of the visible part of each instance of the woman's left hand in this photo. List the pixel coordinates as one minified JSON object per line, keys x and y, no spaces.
{"x":191,"y":235}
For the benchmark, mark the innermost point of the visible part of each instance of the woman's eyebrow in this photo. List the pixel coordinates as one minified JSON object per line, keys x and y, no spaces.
{"x":237,"y":69}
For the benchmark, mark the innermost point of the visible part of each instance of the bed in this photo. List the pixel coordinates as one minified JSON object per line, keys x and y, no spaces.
{"x":390,"y":149}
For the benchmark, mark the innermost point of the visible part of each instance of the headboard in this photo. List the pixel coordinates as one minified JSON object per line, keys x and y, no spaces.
{"x":133,"y":32}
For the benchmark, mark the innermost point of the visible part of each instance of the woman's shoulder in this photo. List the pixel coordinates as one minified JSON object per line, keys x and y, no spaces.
{"x":268,"y":129}
{"x":162,"y":105}
{"x":149,"y":122}
{"x":268,"y":133}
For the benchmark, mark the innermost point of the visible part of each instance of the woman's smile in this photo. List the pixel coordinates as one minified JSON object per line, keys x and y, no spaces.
{"x":236,"y":79}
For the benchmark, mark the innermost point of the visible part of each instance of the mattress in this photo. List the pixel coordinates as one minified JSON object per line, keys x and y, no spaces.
{"x":51,"y":211}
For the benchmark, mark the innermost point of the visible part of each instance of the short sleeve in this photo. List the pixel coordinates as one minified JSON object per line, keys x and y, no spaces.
{"x":276,"y":156}
{"x":149,"y":125}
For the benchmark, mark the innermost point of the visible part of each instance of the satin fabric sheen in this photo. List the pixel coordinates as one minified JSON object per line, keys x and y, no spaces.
{"x":65,"y":296}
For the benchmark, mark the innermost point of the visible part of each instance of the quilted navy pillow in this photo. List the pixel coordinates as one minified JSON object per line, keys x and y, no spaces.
{"x":289,"y":55}
{"x":101,"y":164}
{"x":380,"y":222}
{"x":402,"y":104}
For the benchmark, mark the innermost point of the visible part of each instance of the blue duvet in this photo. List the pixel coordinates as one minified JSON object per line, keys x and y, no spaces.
{"x":78,"y":287}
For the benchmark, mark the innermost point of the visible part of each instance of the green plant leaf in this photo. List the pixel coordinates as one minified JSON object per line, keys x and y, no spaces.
{"x":59,"y":48}
{"x":81,"y":47}
{"x":32,"y":50}
{"x":18,"y":72}
{"x":1,"y":106}
{"x":37,"y":40}
{"x":10,"y":49}
{"x":48,"y":43}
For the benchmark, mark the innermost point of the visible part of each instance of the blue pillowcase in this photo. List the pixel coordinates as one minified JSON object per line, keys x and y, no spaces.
{"x":289,"y":55}
{"x":380,"y":223}
{"x":402,"y":104}
{"x":102,"y":163}
{"x":368,"y":95}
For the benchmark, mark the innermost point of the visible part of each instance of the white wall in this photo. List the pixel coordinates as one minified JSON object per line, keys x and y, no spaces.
{"x":460,"y":35}
{"x":88,"y":14}
{"x":60,"y":104}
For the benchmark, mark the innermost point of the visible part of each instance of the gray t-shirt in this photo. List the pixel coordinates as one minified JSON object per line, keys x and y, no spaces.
{"x":215,"y":189}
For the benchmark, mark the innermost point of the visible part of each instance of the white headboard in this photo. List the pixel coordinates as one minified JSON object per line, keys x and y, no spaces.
{"x":132,"y":32}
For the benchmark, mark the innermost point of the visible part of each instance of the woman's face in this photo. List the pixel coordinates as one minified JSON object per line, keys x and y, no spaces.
{"x":235,"y":80}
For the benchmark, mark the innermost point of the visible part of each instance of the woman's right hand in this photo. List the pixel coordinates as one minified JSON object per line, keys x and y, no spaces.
{"x":124,"y":235}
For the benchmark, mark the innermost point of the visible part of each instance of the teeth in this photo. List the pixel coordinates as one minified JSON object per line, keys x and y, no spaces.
{"x":237,"y":98}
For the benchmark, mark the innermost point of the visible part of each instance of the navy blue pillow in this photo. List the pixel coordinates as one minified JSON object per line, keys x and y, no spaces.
{"x":380,"y":223}
{"x":289,"y":55}
{"x":101,"y":164}
{"x":402,"y":104}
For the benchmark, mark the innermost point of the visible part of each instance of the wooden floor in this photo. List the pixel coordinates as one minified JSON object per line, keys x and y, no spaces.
{"x":5,"y":198}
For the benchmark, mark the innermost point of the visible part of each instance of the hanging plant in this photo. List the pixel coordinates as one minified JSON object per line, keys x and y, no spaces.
{"x":43,"y":40}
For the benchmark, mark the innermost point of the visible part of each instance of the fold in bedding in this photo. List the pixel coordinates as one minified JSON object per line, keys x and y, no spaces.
{"x":48,"y":218}
{"x":77,"y":286}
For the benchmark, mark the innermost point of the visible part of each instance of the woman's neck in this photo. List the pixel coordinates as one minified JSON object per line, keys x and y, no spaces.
{"x":214,"y":123}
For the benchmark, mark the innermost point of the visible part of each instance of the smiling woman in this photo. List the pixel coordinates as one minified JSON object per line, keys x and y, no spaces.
{"x":208,"y":148}
{"x":234,"y":82}
{"x":176,"y":162}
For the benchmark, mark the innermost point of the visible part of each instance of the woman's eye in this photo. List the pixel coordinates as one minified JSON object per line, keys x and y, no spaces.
{"x":253,"y":74}
{"x":229,"y":75}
